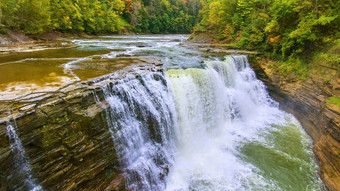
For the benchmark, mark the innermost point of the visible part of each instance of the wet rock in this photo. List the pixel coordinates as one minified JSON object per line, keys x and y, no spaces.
{"x":123,"y":55}
{"x":97,"y":57}
{"x":307,"y":100}
{"x":176,"y":40}
{"x":65,"y":136}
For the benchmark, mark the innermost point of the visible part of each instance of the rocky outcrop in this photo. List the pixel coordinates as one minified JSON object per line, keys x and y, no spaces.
{"x":65,"y":137}
{"x":307,"y":100}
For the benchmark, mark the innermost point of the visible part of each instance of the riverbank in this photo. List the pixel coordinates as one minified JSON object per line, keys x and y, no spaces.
{"x":15,"y":41}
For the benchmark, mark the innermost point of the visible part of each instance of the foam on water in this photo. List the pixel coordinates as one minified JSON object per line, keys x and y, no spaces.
{"x":224,"y":113}
{"x":208,"y":128}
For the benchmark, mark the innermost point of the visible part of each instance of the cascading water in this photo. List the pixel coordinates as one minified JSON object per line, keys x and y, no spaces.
{"x":21,"y":159}
{"x":232,"y":136}
{"x":141,"y":118}
{"x":210,"y":128}
{"x":200,"y":126}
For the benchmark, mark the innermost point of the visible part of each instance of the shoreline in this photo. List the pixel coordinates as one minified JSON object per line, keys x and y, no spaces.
{"x":15,"y":41}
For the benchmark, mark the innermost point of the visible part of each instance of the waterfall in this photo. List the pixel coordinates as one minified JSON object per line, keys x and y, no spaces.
{"x":209,"y":128}
{"x":204,"y":123}
{"x":141,"y":118}
{"x":225,"y":120}
{"x":21,"y":159}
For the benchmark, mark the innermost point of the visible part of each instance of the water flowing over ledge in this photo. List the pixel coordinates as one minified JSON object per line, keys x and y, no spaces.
{"x":65,"y":136}
{"x":21,"y":160}
{"x":141,"y":117}
{"x":210,"y":126}
{"x":232,"y":136}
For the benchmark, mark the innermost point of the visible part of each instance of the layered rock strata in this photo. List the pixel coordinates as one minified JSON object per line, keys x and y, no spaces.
{"x":307,"y":100}
{"x":65,"y":137}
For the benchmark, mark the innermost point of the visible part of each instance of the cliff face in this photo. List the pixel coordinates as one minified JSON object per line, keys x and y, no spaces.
{"x":65,"y":137}
{"x":307,"y":100}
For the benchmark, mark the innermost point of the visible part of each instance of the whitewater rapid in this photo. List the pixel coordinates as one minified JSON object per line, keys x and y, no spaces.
{"x":226,"y":120}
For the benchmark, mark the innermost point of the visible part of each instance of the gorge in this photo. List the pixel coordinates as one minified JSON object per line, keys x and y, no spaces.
{"x":148,"y":113}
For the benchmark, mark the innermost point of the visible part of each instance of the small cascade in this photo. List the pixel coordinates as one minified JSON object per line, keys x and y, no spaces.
{"x":141,"y":117}
{"x":21,"y":159}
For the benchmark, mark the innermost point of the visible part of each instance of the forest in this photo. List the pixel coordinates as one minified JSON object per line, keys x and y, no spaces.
{"x":285,"y":29}
{"x":98,"y":16}
{"x":293,"y":31}
{"x":286,"y":26}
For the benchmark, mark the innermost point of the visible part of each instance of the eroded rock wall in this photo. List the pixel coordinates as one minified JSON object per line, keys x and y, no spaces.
{"x":307,"y":101}
{"x":65,"y":137}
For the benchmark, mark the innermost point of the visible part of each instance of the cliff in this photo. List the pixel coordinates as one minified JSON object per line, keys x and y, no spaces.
{"x":309,"y":102}
{"x":65,"y":137}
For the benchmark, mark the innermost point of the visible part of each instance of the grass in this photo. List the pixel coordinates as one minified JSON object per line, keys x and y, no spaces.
{"x":294,"y":66}
{"x":322,"y":63}
{"x":334,"y":101}
{"x":331,"y":55}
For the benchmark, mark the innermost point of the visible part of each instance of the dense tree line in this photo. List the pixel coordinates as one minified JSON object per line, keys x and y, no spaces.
{"x":287,"y":27}
{"x":98,"y":16}
{"x":172,"y":16}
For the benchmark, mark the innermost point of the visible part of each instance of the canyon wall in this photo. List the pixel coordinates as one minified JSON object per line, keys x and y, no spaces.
{"x":307,"y":100}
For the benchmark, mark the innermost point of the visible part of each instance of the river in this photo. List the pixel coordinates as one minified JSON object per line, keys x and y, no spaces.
{"x":216,"y":126}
